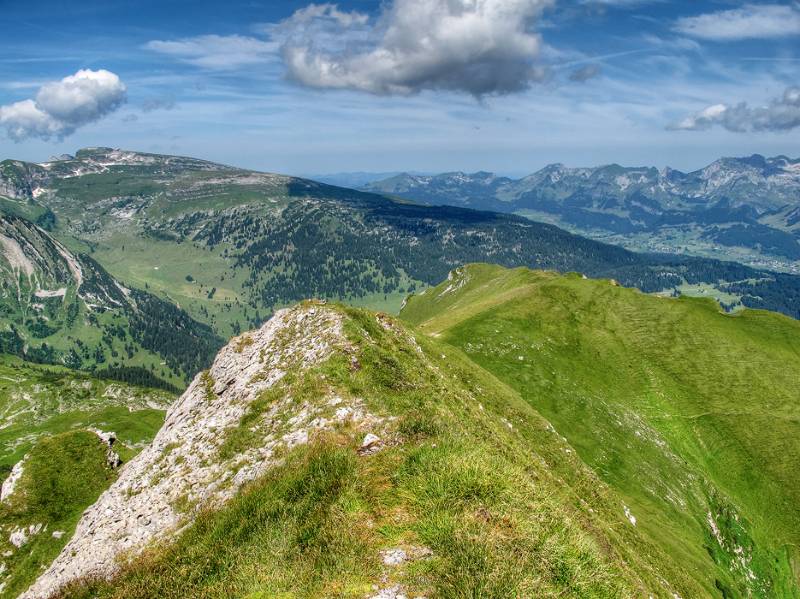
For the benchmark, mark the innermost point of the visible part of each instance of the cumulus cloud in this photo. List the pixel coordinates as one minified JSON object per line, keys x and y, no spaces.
{"x":781,"y":114}
{"x":751,"y":21}
{"x":217,"y":51}
{"x":585,"y":73}
{"x":479,"y":47}
{"x":60,"y":107}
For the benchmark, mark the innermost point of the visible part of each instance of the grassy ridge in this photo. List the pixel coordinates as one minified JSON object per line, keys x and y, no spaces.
{"x":689,"y":413}
{"x":469,"y":479}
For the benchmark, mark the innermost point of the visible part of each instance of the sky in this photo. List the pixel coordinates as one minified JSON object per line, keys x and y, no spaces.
{"x":420,"y":85}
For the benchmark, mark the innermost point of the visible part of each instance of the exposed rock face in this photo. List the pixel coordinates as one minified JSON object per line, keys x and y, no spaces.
{"x":11,"y":482}
{"x":8,"y":189}
{"x":14,"y":189}
{"x":20,"y":536}
{"x":184,"y":467}
{"x":109,"y":438}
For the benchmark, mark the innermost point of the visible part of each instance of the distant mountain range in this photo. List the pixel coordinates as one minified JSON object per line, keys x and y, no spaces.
{"x":115,"y":260}
{"x":747,"y":209}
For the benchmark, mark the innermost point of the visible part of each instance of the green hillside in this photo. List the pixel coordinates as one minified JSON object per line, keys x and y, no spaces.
{"x":45,"y":417}
{"x":468,"y":480}
{"x":37,"y":401}
{"x":690,"y":414}
{"x":60,"y":307}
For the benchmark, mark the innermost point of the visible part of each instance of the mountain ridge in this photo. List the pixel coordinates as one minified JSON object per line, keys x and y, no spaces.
{"x":746,"y":202}
{"x":172,"y":202}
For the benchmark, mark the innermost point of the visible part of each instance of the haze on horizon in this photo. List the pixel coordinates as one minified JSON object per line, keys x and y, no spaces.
{"x":404,"y":85}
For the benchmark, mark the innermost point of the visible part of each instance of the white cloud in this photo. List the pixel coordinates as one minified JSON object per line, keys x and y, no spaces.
{"x":476,"y":46}
{"x":328,"y":11}
{"x":217,"y":51}
{"x":60,"y":107}
{"x":24,"y":119}
{"x":703,"y":119}
{"x":751,"y":21}
{"x":781,"y":114}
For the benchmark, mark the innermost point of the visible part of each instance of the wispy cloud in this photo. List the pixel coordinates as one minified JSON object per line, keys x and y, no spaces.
{"x":781,"y":114}
{"x":217,"y":51}
{"x":584,"y":73}
{"x":751,"y":21}
{"x":61,"y":107}
{"x":158,"y":103}
{"x":620,"y":3}
{"x":20,"y":84}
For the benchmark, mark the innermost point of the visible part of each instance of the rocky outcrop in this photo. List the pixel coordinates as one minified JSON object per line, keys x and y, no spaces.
{"x":109,"y":438}
{"x":184,"y":468}
{"x":14,"y":182}
{"x":20,"y":535}
{"x":10,"y":483}
{"x":10,"y":190}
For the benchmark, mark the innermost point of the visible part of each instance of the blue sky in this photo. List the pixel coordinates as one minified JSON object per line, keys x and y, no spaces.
{"x":426,"y":85}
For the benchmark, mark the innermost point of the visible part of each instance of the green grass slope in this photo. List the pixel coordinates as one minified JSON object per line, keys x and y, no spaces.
{"x":44,"y":416}
{"x":691,"y":415}
{"x":63,"y":475}
{"x":37,"y":401}
{"x":481,"y":493}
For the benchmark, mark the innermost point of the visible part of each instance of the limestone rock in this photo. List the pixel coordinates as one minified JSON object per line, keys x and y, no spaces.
{"x":370,"y":444}
{"x":10,"y":483}
{"x":109,"y":438}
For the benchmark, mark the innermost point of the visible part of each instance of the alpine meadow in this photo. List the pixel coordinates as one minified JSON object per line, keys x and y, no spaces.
{"x":401,"y":299}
